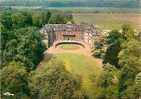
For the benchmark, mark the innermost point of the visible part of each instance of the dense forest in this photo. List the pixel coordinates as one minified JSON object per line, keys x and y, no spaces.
{"x":122,"y":64}
{"x":22,"y":50}
{"x":73,"y":3}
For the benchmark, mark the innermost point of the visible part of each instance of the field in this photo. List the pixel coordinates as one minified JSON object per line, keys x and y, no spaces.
{"x":109,"y":20}
{"x":97,"y":9}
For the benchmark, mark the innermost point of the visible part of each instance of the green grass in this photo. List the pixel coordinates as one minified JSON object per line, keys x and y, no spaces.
{"x":109,"y":20}
{"x":80,"y":66}
{"x":69,"y":46}
{"x":85,"y":67}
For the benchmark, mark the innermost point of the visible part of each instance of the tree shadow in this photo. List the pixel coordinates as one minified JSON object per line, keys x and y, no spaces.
{"x":48,"y":56}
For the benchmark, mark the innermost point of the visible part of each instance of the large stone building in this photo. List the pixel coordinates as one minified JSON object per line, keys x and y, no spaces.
{"x":69,"y":32}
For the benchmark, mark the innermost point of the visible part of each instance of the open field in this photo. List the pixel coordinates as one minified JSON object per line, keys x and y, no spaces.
{"x":109,"y":20}
{"x":96,"y":9}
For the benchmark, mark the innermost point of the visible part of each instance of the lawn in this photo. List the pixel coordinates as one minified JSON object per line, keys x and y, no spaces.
{"x":109,"y":20}
{"x":85,"y":67}
{"x":69,"y":46}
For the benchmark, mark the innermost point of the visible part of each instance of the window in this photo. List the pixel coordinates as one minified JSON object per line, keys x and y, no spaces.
{"x":68,"y":37}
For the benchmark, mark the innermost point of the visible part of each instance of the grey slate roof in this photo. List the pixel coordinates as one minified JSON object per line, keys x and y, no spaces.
{"x":70,"y":28}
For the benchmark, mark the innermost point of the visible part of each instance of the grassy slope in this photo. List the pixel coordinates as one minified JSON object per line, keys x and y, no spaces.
{"x":83,"y":66}
{"x":109,"y":21}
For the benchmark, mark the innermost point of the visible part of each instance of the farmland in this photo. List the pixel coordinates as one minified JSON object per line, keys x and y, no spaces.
{"x":109,"y":20}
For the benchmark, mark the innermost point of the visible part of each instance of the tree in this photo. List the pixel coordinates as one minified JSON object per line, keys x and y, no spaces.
{"x":2,"y":28}
{"x":54,"y":82}
{"x":113,"y":40}
{"x":108,"y":83}
{"x":14,"y":80}
{"x":138,"y":85}
{"x":18,"y":20}
{"x":111,"y":55}
{"x":5,"y":19}
{"x":114,"y":37}
{"x":130,"y":61}
{"x":8,"y":45}
{"x":128,"y":32}
{"x":40,"y":18}
{"x":131,"y":54}
{"x":11,"y":19}
{"x":60,"y":18}
{"x":24,"y":45}
{"x":124,"y":51}
{"x":57,"y":19}
{"x":30,"y":41}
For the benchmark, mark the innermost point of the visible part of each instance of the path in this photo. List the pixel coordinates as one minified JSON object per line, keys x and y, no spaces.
{"x":58,"y":50}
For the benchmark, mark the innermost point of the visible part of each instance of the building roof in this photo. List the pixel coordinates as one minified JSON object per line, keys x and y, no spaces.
{"x":69,"y":27}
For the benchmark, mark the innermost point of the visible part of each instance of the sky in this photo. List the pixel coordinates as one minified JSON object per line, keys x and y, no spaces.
{"x":72,"y":0}
{"x":87,"y":1}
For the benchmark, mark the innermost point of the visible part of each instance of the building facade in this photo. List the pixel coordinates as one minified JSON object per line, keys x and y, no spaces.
{"x":69,"y":32}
